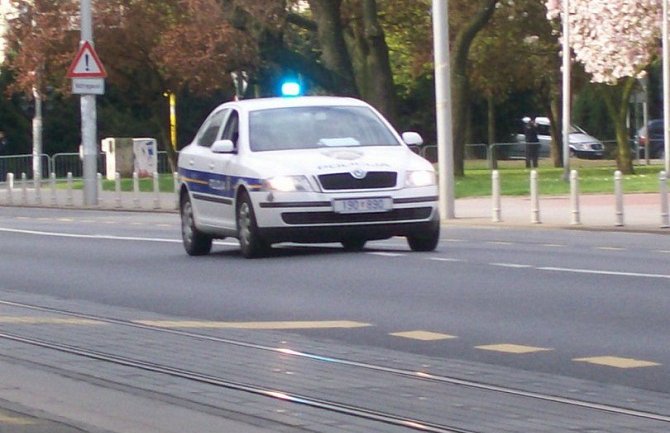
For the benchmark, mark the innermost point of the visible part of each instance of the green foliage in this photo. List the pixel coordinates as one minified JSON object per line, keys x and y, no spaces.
{"x":595,"y":177}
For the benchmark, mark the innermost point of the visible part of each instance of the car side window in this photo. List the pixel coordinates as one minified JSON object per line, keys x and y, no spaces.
{"x":210,"y":130}
{"x":232,"y":129}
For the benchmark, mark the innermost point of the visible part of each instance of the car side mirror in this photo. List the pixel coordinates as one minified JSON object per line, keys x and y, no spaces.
{"x":412,"y":138}
{"x":223,"y":146}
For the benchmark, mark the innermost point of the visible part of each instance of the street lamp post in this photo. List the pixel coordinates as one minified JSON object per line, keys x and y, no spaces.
{"x":666,"y":87}
{"x":88,"y":119}
{"x":566,"y":90}
{"x":445,"y":146}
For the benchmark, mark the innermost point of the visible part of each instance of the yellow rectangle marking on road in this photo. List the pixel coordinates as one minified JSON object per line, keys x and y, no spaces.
{"x":614,"y":361}
{"x":513,"y":348}
{"x":423,"y":335}
{"x":31,"y":320}
{"x":252,"y":325}
{"x":13,"y":420}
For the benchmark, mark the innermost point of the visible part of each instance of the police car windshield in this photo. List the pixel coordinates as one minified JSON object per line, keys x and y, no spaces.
{"x":317,"y":127}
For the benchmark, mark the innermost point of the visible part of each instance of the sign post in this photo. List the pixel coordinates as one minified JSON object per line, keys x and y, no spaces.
{"x":88,"y":75}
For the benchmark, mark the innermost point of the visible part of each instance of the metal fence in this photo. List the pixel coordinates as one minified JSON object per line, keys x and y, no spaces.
{"x":497,"y":152}
{"x":61,"y":164}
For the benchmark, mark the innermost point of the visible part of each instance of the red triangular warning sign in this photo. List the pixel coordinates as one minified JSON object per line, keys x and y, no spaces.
{"x":86,"y":64}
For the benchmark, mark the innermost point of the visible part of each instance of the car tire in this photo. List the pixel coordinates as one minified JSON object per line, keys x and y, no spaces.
{"x":195,"y":242}
{"x":426,"y":241}
{"x":251,"y":244}
{"x":353,"y":244}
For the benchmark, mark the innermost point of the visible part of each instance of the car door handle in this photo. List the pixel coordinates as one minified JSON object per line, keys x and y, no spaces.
{"x":191,"y":162}
{"x":211,"y":166}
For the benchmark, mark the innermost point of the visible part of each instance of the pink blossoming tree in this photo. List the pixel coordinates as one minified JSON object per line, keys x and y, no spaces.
{"x":615,"y":40}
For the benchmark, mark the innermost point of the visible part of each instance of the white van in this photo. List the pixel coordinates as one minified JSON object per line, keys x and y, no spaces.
{"x":582,"y":145}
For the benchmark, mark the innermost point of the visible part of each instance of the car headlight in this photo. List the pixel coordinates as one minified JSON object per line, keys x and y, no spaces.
{"x":287,"y":184}
{"x":420,"y":178}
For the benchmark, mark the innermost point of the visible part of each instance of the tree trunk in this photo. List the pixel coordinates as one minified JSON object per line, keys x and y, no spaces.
{"x":616,"y":101}
{"x":333,"y":47}
{"x":460,"y":84}
{"x":380,"y":90}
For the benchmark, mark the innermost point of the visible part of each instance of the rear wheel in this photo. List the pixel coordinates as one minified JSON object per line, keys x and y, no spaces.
{"x":425,"y":241}
{"x":195,"y":242}
{"x":251,"y":244}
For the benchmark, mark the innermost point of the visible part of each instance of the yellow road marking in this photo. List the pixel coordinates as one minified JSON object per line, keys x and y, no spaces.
{"x":6,"y":419}
{"x":614,"y":361}
{"x":513,"y":348}
{"x":252,"y":325}
{"x":423,"y":335}
{"x":28,"y":320}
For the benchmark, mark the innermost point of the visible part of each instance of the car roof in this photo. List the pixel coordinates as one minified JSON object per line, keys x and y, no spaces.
{"x":300,"y":101}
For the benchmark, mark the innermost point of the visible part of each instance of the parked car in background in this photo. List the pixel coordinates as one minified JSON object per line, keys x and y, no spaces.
{"x":582,"y":145}
{"x":651,"y":134}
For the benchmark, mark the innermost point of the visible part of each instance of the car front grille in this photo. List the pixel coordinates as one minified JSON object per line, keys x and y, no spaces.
{"x":302,"y":218}
{"x":372,"y":180}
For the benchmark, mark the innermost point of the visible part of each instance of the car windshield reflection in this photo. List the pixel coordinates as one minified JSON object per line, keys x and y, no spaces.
{"x":317,"y":127}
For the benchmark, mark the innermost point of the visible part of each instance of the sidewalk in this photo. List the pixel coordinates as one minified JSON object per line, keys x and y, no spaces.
{"x":641,"y":211}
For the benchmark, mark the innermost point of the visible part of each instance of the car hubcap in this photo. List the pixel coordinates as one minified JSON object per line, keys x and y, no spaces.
{"x":245,"y":224}
{"x":186,"y":223}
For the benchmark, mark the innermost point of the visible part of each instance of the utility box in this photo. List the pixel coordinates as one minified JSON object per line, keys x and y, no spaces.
{"x":130,"y":155}
{"x":118,"y":156}
{"x":146,"y":156}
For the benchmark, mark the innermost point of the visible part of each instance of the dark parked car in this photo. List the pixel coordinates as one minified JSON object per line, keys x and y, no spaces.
{"x":652,"y":134}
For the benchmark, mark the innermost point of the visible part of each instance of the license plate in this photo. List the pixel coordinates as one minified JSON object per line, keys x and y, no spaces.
{"x":363,"y":205}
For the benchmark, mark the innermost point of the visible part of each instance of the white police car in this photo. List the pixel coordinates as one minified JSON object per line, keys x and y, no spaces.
{"x":304,"y":169}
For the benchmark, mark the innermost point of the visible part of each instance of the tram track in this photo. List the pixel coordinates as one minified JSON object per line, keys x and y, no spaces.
{"x":302,"y":398}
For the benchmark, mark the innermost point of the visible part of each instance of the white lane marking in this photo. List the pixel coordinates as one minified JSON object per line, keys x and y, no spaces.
{"x":83,"y":236}
{"x":104,"y":237}
{"x":596,"y":272}
{"x":383,"y":254}
{"x":445,"y":259}
{"x":511,"y":265}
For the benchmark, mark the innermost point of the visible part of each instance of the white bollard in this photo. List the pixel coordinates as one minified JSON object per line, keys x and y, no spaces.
{"x":69,"y":199}
{"x":663,"y":188}
{"x":24,"y":189}
{"x":52,"y":188}
{"x":175,"y":177}
{"x":574,"y":197}
{"x":117,"y":188}
{"x":534,"y":198}
{"x":495,"y":194}
{"x":618,"y":197}
{"x":136,"y":190}
{"x":157,"y":191}
{"x":99,"y":186}
{"x":38,"y":191}
{"x":10,"y":188}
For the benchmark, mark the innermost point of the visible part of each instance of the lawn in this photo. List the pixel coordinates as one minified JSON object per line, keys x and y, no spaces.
{"x":594,"y":177}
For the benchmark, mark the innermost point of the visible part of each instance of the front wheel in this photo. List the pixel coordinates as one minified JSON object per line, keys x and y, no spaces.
{"x":251,"y":244}
{"x":425,"y":241}
{"x":195,"y":242}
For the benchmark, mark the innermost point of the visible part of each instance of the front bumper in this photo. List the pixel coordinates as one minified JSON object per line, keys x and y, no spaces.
{"x":311,"y":217}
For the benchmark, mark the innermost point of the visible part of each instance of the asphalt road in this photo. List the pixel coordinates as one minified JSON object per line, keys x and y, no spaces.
{"x":577,"y":303}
